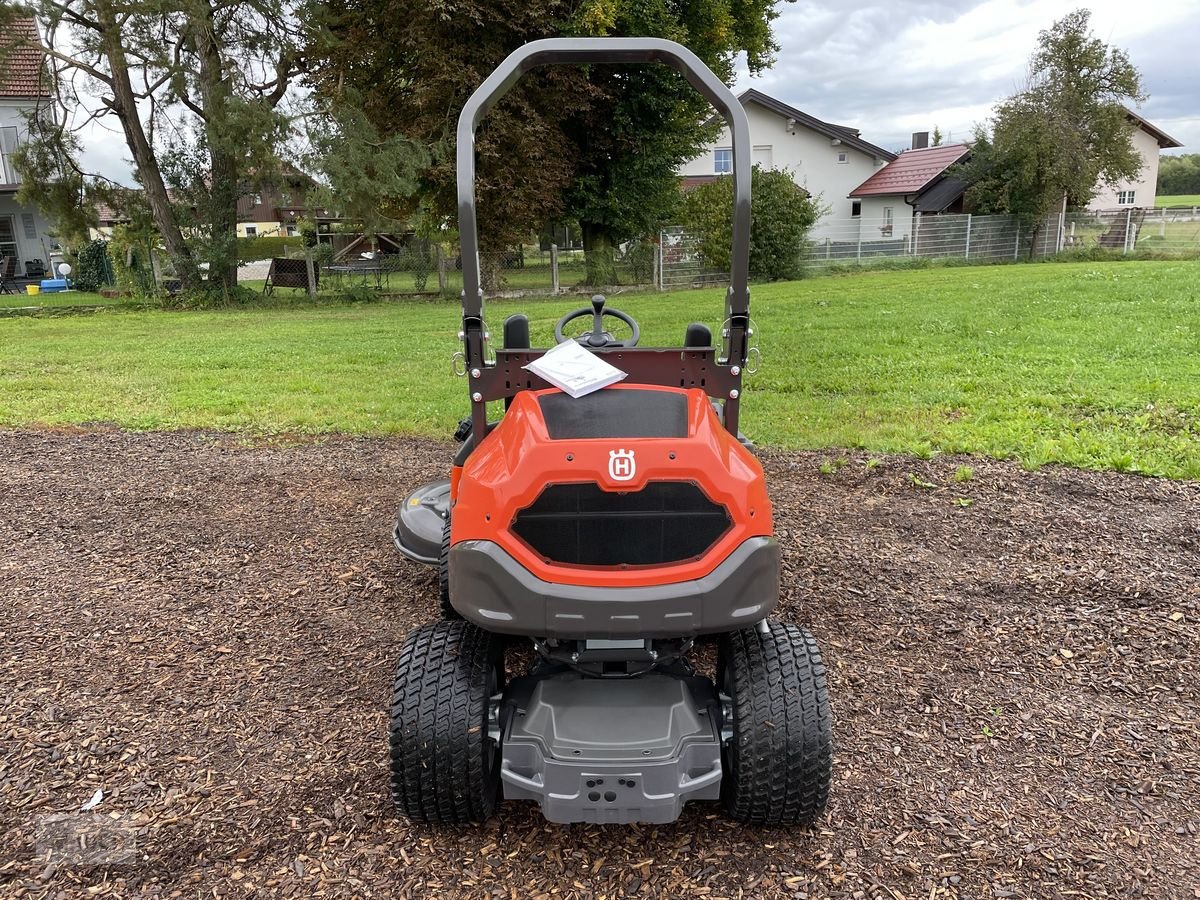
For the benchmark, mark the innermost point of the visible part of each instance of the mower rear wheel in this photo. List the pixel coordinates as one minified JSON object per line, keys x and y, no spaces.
{"x":445,"y":768}
{"x":448,"y":610}
{"x":779,"y":761}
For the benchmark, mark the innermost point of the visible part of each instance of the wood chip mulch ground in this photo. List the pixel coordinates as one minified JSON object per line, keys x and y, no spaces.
{"x":197,"y":636}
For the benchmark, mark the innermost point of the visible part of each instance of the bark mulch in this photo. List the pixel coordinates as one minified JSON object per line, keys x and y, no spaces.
{"x":203,"y":630}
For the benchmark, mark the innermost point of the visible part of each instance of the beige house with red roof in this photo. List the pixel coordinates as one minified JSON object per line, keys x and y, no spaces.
{"x":914,"y":183}
{"x":24,"y":232}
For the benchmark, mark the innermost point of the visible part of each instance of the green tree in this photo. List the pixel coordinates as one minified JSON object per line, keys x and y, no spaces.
{"x":599,"y":144}
{"x":781,"y":216}
{"x":1179,"y":174}
{"x":936,"y":141}
{"x":212,"y":74}
{"x":1063,"y":135}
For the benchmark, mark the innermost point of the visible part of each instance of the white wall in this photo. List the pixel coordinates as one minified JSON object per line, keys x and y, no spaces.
{"x":811,"y":157}
{"x":1144,"y":187}
{"x":32,"y":234}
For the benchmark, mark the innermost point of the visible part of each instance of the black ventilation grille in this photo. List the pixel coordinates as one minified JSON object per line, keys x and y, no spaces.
{"x":582,"y":525}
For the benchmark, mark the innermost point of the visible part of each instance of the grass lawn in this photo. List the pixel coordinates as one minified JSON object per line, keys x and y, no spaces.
{"x":1178,"y":200}
{"x":1090,"y":364}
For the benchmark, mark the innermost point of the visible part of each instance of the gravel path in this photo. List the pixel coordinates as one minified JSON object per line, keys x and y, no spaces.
{"x":203,"y":629}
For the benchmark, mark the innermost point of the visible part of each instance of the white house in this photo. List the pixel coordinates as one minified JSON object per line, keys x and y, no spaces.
{"x":914,"y":183}
{"x":24,"y":231}
{"x":1148,"y":140}
{"x":826,"y":160}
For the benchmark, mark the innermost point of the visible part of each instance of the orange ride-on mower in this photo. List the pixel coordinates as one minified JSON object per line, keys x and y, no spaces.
{"x":610,"y":533}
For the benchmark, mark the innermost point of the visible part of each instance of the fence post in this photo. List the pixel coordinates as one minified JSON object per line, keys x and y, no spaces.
{"x":1062,"y":217}
{"x":658,"y":261}
{"x":554,"y":268}
{"x":310,"y":271}
{"x":441,"y":268}
{"x":967,"y":252}
{"x":1162,"y":223}
{"x":1128,"y":216}
{"x":828,"y":241}
{"x":858,"y":252}
{"x":1017,"y":243}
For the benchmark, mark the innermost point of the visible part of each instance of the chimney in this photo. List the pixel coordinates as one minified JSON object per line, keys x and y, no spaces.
{"x":920,"y":140}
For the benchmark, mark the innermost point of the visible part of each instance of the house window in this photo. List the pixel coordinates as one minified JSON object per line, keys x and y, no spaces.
{"x":1125,"y":198}
{"x":291,"y":231}
{"x":855,"y":208}
{"x":29,"y":225}
{"x":723,"y":160}
{"x":843,"y":157}
{"x":8,"y":237}
{"x":886,"y":227}
{"x":251,"y":231}
{"x":256,"y":199}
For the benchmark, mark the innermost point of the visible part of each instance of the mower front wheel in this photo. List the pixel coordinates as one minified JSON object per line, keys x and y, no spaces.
{"x":779,"y":759}
{"x":445,"y":761}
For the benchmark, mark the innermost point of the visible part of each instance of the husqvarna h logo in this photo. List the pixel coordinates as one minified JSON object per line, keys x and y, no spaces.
{"x":621,"y":465}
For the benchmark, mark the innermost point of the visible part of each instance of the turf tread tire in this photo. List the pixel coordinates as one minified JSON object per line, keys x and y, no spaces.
{"x":780,"y":761}
{"x":447,"y":608}
{"x":441,"y":770}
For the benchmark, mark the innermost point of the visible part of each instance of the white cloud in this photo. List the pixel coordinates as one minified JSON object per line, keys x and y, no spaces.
{"x":894,"y":68}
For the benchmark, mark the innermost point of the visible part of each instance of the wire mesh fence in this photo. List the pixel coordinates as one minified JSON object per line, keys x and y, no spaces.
{"x":1169,"y":231}
{"x":673,"y":259}
{"x":864,"y":240}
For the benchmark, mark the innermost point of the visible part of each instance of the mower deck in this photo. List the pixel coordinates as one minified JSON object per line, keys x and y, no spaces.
{"x":611,"y":751}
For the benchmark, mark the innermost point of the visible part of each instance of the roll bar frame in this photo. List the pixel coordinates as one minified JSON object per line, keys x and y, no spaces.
{"x":556,"y":51}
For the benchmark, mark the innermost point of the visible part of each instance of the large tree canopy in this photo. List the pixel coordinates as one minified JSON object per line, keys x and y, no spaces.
{"x":1064,"y":134}
{"x":1179,"y":174}
{"x":193,"y":86}
{"x":599,"y":144}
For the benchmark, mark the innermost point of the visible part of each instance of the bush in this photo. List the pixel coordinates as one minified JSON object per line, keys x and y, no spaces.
{"x":252,"y":249}
{"x":781,"y":214}
{"x":93,"y":268}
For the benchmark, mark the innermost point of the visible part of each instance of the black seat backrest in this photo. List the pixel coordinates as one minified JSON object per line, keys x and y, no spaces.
{"x":697,"y":335}
{"x":516,"y":332}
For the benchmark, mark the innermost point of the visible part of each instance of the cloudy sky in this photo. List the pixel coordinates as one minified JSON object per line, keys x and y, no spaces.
{"x":892,"y":68}
{"x":895,"y":67}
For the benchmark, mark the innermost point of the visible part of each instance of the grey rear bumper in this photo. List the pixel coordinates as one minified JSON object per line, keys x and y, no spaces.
{"x":612,"y":751}
{"x":491,"y":589}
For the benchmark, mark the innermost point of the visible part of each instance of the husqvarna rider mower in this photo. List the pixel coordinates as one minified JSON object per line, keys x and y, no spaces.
{"x":609,"y":533}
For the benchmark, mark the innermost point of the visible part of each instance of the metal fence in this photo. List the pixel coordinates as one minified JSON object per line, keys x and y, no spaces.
{"x":863,"y":240}
{"x":674,"y":260}
{"x":1168,"y":231}
{"x":427,"y":267}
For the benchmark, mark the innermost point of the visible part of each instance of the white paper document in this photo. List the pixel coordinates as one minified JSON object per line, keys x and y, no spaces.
{"x":571,"y":368}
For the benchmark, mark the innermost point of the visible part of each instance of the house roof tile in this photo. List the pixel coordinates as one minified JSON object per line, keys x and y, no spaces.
{"x":843,"y":133}
{"x":911,"y":171}
{"x":24,"y":74}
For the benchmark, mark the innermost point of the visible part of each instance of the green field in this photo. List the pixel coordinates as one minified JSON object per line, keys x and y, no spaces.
{"x":1178,"y":200}
{"x":1090,"y":364}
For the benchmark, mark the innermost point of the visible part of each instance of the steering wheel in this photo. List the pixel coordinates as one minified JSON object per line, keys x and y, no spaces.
{"x":597,"y":336}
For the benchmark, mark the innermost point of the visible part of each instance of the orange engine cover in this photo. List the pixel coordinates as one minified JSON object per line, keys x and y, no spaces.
{"x":518,"y":459}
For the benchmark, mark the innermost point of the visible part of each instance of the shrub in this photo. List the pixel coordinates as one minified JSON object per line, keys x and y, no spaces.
{"x":93,"y":268}
{"x":782,"y":213}
{"x":252,"y":249}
